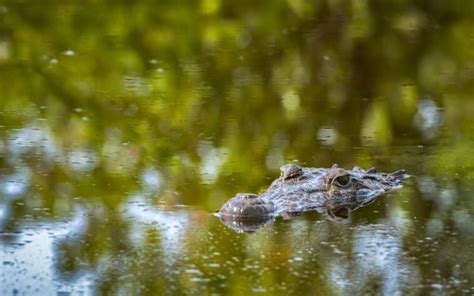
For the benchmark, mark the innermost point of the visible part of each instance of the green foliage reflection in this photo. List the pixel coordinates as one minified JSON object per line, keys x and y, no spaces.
{"x":189,"y":102}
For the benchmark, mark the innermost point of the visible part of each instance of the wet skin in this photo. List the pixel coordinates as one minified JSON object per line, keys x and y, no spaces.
{"x":335,"y":192}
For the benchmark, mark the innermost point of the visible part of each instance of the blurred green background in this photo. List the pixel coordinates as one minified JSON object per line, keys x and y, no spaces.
{"x":175,"y":106}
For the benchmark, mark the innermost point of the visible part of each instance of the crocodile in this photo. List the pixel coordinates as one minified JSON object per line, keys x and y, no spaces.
{"x":334,"y":192}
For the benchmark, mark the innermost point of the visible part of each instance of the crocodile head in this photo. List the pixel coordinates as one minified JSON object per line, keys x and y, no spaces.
{"x":334,"y":191}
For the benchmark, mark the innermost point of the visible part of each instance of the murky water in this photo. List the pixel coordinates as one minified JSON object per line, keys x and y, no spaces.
{"x":124,"y":127}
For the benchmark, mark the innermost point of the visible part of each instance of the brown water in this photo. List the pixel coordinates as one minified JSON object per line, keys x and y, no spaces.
{"x":123,"y":127}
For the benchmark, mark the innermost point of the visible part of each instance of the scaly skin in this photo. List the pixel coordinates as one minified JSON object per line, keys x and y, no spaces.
{"x":335,"y":192}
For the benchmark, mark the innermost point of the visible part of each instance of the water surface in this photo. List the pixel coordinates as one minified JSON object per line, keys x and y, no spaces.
{"x":123,"y":127}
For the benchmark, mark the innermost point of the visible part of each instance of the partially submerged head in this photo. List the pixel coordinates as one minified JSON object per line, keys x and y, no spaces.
{"x":335,"y":190}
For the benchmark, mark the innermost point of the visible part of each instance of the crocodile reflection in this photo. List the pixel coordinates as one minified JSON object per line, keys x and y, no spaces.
{"x":335,"y":192}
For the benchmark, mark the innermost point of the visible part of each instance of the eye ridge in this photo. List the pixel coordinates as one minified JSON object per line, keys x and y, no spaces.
{"x":343,"y":181}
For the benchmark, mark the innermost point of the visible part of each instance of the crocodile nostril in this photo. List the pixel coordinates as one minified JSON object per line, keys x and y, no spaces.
{"x":246,"y":196}
{"x":250,"y":196}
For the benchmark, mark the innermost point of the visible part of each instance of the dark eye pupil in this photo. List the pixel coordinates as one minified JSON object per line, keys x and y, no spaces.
{"x":343,"y":180}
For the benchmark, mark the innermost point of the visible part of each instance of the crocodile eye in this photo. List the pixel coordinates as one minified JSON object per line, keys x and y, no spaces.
{"x":343,"y":181}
